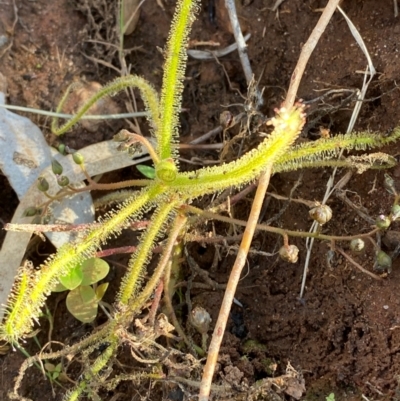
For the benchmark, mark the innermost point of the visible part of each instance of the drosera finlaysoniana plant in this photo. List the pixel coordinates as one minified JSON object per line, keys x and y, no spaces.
{"x":168,"y":195}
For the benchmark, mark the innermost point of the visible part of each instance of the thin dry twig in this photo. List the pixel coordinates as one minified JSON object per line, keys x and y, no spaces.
{"x":220,"y":326}
{"x":234,"y":277}
{"x":241,"y":43}
{"x":354,"y":263}
{"x":307,"y":50}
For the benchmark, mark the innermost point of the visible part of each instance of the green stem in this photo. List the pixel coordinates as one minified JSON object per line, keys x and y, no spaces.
{"x":137,"y":302}
{"x":174,"y":72}
{"x":94,"y":371}
{"x":131,"y":281}
{"x":148,"y":93}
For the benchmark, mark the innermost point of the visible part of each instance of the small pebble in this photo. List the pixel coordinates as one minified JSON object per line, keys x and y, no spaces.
{"x":386,"y":307}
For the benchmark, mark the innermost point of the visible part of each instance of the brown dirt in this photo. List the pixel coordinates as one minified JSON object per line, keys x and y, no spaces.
{"x":344,"y":335}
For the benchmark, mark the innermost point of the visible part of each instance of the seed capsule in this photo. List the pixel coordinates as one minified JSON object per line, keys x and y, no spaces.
{"x":56,"y":167}
{"x":382,"y":222}
{"x":357,"y":245}
{"x":77,"y":157}
{"x":395,"y":212}
{"x":383,"y":262}
{"x":62,"y":149}
{"x":321,"y":214}
{"x":63,"y":181}
{"x":200,"y":320}
{"x":289,"y":253}
{"x":42,"y":185}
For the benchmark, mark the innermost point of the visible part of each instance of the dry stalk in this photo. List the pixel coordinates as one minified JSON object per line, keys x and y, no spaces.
{"x":219,"y":329}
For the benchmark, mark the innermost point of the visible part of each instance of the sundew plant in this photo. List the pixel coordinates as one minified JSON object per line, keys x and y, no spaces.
{"x":168,"y":196}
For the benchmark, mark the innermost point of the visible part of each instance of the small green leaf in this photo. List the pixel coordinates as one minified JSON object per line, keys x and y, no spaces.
{"x":94,"y":270}
{"x":101,"y":290}
{"x":73,"y":278}
{"x":82,"y":303}
{"x":147,"y":171}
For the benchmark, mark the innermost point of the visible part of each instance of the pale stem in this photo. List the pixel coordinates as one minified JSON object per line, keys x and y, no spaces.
{"x":234,"y":277}
{"x":307,"y":50}
{"x":242,"y":47}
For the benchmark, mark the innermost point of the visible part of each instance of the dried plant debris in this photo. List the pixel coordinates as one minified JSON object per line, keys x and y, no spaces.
{"x":102,"y":33}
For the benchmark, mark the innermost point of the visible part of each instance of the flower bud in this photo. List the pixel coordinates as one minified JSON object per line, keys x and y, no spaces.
{"x":42,"y":185}
{"x":30,"y":211}
{"x":357,"y":245}
{"x":382,"y":222}
{"x":166,"y":170}
{"x":321,"y":214}
{"x":200,"y":320}
{"x":63,"y":181}
{"x":383,"y":262}
{"x":77,"y":157}
{"x":395,"y":212}
{"x":56,"y":167}
{"x":289,"y":253}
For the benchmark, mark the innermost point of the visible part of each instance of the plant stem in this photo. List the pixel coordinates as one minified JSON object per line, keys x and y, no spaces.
{"x":277,"y":230}
{"x":234,"y":277}
{"x":354,"y":263}
{"x":307,"y":50}
{"x":137,"y":302}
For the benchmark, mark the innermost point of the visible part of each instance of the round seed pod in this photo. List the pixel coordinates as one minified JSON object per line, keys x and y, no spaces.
{"x":289,"y":253}
{"x":200,"y":320}
{"x":321,"y":214}
{"x":56,"y":167}
{"x":395,"y":212}
{"x":63,"y":181}
{"x":383,"y":262}
{"x":42,"y":185}
{"x":77,"y":157}
{"x":62,"y":149}
{"x":382,"y":222}
{"x":357,"y":245}
{"x":166,"y":170}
